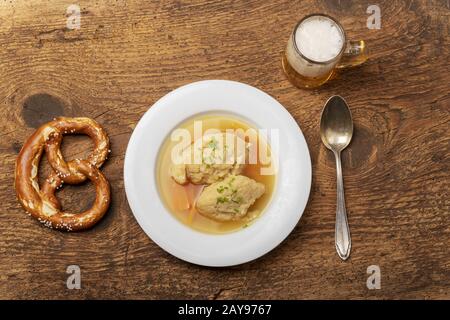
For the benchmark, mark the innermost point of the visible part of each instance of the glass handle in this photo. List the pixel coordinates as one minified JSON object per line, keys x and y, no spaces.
{"x":355,"y":54}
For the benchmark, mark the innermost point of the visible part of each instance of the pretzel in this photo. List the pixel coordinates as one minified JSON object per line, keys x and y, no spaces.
{"x":41,"y":203}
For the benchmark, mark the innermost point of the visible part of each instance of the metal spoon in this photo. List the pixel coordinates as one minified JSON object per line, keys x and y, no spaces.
{"x":336,"y":130}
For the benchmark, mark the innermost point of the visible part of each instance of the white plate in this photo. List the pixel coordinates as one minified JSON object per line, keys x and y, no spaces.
{"x":291,"y":191}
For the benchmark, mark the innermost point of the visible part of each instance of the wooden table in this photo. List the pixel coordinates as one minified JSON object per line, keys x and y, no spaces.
{"x":128,"y":54}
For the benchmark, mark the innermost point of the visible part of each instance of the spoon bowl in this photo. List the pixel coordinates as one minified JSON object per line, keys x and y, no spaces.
{"x":336,"y":124}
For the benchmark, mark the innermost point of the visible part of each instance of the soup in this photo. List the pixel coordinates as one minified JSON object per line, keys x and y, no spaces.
{"x":180,"y":198}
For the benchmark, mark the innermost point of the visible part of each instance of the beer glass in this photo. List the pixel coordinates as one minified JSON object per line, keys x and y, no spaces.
{"x":317,"y":49}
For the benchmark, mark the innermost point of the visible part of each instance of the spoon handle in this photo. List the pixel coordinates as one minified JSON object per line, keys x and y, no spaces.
{"x":342,"y":231}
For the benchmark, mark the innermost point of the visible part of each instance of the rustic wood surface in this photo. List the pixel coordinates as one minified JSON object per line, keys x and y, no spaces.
{"x":128,"y":54}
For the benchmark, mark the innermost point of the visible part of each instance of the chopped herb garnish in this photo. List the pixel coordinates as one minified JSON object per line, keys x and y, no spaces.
{"x":221,"y":189}
{"x":222,"y":200}
{"x":212,"y":144}
{"x":238,"y":200}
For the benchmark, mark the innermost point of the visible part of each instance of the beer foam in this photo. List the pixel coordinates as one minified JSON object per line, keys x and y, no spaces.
{"x":319,"y":39}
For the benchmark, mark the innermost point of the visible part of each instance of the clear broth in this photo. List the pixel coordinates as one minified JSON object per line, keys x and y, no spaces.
{"x":180,"y":199}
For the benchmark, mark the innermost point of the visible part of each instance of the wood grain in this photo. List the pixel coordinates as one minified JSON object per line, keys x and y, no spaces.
{"x":128,"y":54}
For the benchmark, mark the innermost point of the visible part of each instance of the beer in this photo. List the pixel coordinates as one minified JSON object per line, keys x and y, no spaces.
{"x":316,"y":49}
